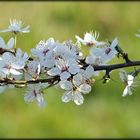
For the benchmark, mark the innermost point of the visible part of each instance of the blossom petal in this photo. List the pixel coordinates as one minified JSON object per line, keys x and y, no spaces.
{"x":78,"y":98}
{"x":89,"y":71}
{"x":10,"y":43}
{"x":18,"y":64}
{"x":64,"y":75}
{"x":130,"y":80}
{"x":66,"y":85}
{"x":67,"y":96}
{"x":2,"y":43}
{"x":123,"y":76}
{"x":73,"y":69}
{"x":40,"y":101}
{"x":85,"y":88}
{"x":79,"y":39}
{"x":89,"y":60}
{"x":29,"y":97}
{"x":77,"y":79}
{"x":54,"y":71}
{"x":15,"y":72}
{"x":125,"y":92}
{"x":114,"y":43}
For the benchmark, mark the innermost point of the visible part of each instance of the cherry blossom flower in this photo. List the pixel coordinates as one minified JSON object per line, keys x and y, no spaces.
{"x":13,"y":64}
{"x":9,"y":44}
{"x":79,"y":85}
{"x":90,"y":39}
{"x":16,"y":27}
{"x":102,"y":55}
{"x":33,"y":70}
{"x":128,"y":81}
{"x":34,"y":92}
{"x":44,"y":52}
{"x":64,"y":68}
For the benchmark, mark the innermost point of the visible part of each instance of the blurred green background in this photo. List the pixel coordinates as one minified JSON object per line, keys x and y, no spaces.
{"x":105,"y":113}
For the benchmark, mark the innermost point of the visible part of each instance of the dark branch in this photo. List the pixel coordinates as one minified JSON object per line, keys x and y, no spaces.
{"x":117,"y":66}
{"x":52,"y":80}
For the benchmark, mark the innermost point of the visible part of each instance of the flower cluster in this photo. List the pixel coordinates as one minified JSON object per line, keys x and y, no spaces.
{"x":53,"y":63}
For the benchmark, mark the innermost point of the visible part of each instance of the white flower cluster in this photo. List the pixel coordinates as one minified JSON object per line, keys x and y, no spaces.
{"x":63,"y":62}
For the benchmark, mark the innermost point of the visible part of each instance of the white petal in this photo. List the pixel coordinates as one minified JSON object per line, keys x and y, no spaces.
{"x":17,"y":77}
{"x":79,"y":39}
{"x":125,"y":92}
{"x":25,"y":57}
{"x":67,"y":96}
{"x":114,"y":43}
{"x":47,"y":63}
{"x":89,"y":38}
{"x":26,"y":29}
{"x":73,"y":69}
{"x":54,"y":71}
{"x":18,"y":64}
{"x":130,"y":80}
{"x":6,"y":30}
{"x":38,"y":69}
{"x":90,"y":60}
{"x":89,"y":71}
{"x":29,"y":97}
{"x":66,"y":85}
{"x":64,"y":75}
{"x":2,"y":43}
{"x":40,"y":101}
{"x":123,"y":75}
{"x":8,"y":57}
{"x":101,"y":43}
{"x":15,"y":72}
{"x":19,"y":53}
{"x":77,"y":79}
{"x":78,"y":98}
{"x":85,"y":88}
{"x":5,"y":71}
{"x":10,"y":43}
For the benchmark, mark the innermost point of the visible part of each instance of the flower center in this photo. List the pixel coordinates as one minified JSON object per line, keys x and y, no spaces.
{"x":45,"y":51}
{"x":108,"y":50}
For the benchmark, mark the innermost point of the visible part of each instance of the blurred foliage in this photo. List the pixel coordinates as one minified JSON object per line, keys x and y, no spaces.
{"x":105,"y":113}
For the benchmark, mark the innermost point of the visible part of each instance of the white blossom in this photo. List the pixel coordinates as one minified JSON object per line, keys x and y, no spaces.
{"x":79,"y":85}
{"x":33,"y":70}
{"x":90,"y":39}
{"x":34,"y":93}
{"x":102,"y":55}
{"x":16,"y":27}
{"x":128,"y":81}
{"x":64,"y":68}
{"x":13,"y":64}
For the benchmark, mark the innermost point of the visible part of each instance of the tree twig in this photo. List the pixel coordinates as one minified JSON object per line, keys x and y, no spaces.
{"x":51,"y":80}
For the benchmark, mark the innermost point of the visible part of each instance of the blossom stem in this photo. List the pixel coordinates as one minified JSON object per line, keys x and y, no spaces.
{"x":15,"y":41}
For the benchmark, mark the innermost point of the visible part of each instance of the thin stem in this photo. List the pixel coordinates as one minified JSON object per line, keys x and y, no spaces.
{"x":15,"y":41}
